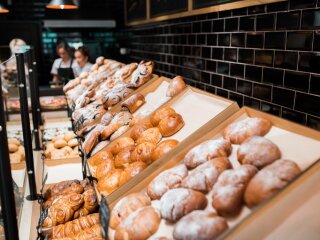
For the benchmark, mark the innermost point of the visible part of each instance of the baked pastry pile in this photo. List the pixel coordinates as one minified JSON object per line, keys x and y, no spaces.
{"x":53,"y":102}
{"x":16,"y":151}
{"x":115,"y":165}
{"x":197,"y":197}
{"x":62,"y":146}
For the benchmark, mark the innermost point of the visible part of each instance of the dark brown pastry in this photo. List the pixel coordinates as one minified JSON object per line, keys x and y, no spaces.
{"x":227,"y":193}
{"x":239,"y":131}
{"x":166,"y":180}
{"x":178,"y":202}
{"x":270,"y":180}
{"x":133,"y":103}
{"x":176,"y":85}
{"x":258,"y":151}
{"x":199,"y":225}
{"x":206,"y":151}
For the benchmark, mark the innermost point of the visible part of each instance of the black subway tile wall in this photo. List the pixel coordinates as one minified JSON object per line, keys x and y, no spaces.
{"x":266,"y":57}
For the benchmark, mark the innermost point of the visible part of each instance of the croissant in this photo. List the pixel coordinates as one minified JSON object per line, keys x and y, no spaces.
{"x":58,"y":187}
{"x":90,"y":204}
{"x":62,"y":209}
{"x":72,"y":228}
{"x":94,"y":232}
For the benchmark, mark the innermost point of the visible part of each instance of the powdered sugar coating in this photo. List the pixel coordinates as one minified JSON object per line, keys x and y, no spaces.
{"x":206,"y":151}
{"x":166,"y":180}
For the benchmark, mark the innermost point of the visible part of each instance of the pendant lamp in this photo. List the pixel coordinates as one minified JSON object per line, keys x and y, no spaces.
{"x":62,"y":4}
{"x":3,"y":9}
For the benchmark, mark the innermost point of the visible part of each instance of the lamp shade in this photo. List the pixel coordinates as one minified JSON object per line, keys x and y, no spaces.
{"x":62,"y":4}
{"x":3,"y":9}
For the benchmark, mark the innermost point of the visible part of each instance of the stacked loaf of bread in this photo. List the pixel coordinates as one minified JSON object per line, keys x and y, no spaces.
{"x":197,"y":198}
{"x":108,"y":83}
{"x":115,"y":165}
{"x":62,"y":146}
{"x":16,"y":151}
{"x":69,"y":200}
{"x":113,"y":125}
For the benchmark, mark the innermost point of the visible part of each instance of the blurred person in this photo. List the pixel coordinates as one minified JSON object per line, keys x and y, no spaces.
{"x":63,"y":67}
{"x":82,"y":56}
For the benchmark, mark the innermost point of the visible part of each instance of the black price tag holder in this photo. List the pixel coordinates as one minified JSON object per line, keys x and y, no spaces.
{"x":104,"y":217}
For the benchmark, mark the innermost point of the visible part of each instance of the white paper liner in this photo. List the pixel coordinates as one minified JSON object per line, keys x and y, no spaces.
{"x":154,"y":100}
{"x":18,"y":176}
{"x":67,"y":171}
{"x":300,"y":149}
{"x":57,"y":124}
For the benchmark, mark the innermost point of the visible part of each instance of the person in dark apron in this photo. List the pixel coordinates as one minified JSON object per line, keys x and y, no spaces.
{"x":63,"y":67}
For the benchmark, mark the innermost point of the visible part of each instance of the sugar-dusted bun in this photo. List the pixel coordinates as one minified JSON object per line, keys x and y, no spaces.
{"x":239,"y":131}
{"x":104,"y":168}
{"x":109,"y":130}
{"x":143,"y":152}
{"x":112,"y":181}
{"x":270,"y":180}
{"x":166,"y":180}
{"x":199,"y":225}
{"x":203,"y":177}
{"x":60,"y":143}
{"x":121,"y":143}
{"x":176,"y":85}
{"x":163,"y":148}
{"x":122,"y":118}
{"x":119,"y":132}
{"x":227,"y":193}
{"x":99,"y":146}
{"x":160,"y":114}
{"x":133,"y":103}
{"x":123,"y":158}
{"x":100,"y":157}
{"x":141,"y":224}
{"x":106,"y":118}
{"x":126,"y":206}
{"x":178,"y":202}
{"x":138,"y":129}
{"x":73,"y":142}
{"x":171,"y":125}
{"x":206,"y":151}
{"x":152,"y":135}
{"x":258,"y":151}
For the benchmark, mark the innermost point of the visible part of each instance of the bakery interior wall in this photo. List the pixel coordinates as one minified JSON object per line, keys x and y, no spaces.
{"x":100,"y":40}
{"x":265,"y":57}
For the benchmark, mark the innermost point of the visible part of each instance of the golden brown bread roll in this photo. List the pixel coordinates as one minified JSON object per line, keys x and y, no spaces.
{"x":258,"y":151}
{"x":62,"y":209}
{"x":141,"y":224}
{"x":112,"y":181}
{"x":176,"y":85}
{"x":90,"y":141}
{"x":227,"y":193}
{"x":178,"y":202}
{"x":135,"y":120}
{"x":104,"y":168}
{"x":120,"y":144}
{"x":15,"y":157}
{"x":203,"y":177}
{"x":123,"y":158}
{"x":68,"y":136}
{"x":73,"y":142}
{"x":122,"y":118}
{"x":72,"y":228}
{"x":270,"y":180}
{"x":166,"y":180}
{"x":99,"y":147}
{"x":60,"y":143}
{"x":126,"y":206}
{"x":100,"y":157}
{"x":138,"y":129}
{"x":109,"y":130}
{"x":119,"y":132}
{"x":143,"y":152}
{"x":207,"y":150}
{"x":171,"y":125}
{"x":14,"y":141}
{"x":163,"y":148}
{"x":160,"y":114}
{"x":13,"y":148}
{"x":56,"y":138}
{"x":135,"y":168}
{"x":133,"y":103}
{"x":199,"y":225}
{"x":152,"y":135}
{"x":239,"y":131}
{"x":106,"y":118}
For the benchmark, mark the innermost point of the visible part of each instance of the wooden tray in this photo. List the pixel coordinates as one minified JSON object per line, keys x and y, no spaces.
{"x":211,"y":131}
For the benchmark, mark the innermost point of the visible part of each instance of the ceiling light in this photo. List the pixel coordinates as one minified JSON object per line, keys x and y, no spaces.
{"x":3,"y":9}
{"x":62,"y":4}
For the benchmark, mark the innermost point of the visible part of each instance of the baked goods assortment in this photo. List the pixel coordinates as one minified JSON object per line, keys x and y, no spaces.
{"x":62,"y":146}
{"x":198,"y":197}
{"x":16,"y":151}
{"x":50,"y":133}
{"x":53,"y":102}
